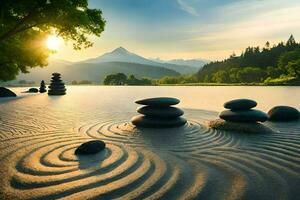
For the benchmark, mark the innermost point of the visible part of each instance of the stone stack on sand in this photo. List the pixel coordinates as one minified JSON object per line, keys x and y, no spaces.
{"x":57,"y":86}
{"x":241,"y":117}
{"x":42,"y":87}
{"x":240,"y":110}
{"x":159,"y":113}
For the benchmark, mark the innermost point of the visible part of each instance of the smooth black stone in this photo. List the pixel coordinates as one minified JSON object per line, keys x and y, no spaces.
{"x":56,"y":74}
{"x":42,"y":90}
{"x":4,"y":92}
{"x":283,"y":113}
{"x":240,"y":104}
{"x":244,"y":116}
{"x":159,"y":101}
{"x":56,"y":79}
{"x":33,"y":90}
{"x":55,"y":87}
{"x":54,"y":93}
{"x":91,"y":147}
{"x":150,"y":122}
{"x":160,"y":112}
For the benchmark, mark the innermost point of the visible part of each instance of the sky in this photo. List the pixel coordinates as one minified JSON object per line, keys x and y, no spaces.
{"x":189,"y":29}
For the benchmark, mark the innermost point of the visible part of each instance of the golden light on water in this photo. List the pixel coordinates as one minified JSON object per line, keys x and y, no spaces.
{"x":53,"y":42}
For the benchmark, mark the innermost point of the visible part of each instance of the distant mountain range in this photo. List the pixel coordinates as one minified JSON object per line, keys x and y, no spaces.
{"x":119,"y":60}
{"x":197,"y":63}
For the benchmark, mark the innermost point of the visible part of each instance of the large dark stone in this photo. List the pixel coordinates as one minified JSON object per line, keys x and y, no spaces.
{"x":91,"y":147}
{"x":160,"y":112}
{"x":244,"y":116}
{"x":33,"y":90}
{"x":149,"y":122}
{"x":283,"y":113}
{"x":240,"y":104}
{"x":55,"y":93}
{"x":4,"y":92}
{"x":159,"y":101}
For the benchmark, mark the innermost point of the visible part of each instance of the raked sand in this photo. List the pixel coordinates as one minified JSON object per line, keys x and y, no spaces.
{"x":39,"y":134}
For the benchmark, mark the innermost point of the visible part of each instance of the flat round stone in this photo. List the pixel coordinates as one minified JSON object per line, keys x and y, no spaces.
{"x":33,"y":90}
{"x":56,"y":93}
{"x":283,"y":113}
{"x":149,"y":122}
{"x":4,"y":92}
{"x":158,"y":101}
{"x":244,"y":116}
{"x":91,"y":147}
{"x":240,"y":104}
{"x":160,"y":112}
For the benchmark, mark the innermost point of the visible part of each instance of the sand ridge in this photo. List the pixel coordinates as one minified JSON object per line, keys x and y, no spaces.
{"x":191,"y":162}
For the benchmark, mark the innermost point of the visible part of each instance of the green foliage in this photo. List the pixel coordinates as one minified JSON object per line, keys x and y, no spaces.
{"x":115,"y":79}
{"x":282,"y":80}
{"x":132,"y":80}
{"x":122,"y":79}
{"x":290,"y":62}
{"x":177,"y":79}
{"x":24,"y":25}
{"x":255,"y":65}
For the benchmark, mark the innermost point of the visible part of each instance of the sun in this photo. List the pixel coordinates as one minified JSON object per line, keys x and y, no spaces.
{"x":53,"y":42}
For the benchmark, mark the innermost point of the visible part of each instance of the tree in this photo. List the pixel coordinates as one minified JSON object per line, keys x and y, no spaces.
{"x":294,"y":68}
{"x":267,"y":45}
{"x":221,"y":77}
{"x":115,"y":79}
{"x":291,"y":41}
{"x":131,"y":80}
{"x":24,"y":25}
{"x":290,"y":62}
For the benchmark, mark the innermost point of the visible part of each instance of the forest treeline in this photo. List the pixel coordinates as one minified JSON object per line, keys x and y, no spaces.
{"x":279,"y":63}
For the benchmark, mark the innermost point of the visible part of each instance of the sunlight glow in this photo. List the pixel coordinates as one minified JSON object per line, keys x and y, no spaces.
{"x":53,"y":42}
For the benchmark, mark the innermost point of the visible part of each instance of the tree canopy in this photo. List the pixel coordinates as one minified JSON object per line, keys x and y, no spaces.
{"x":25,"y":24}
{"x":122,"y":79}
{"x":255,"y":64}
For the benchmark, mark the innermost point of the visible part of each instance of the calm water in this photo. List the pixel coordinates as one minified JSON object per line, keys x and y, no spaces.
{"x":198,"y":97}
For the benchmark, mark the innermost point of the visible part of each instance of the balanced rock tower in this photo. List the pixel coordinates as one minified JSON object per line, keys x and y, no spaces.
{"x":159,"y":113}
{"x":42,"y":87}
{"x":57,"y":86}
{"x":241,"y":117}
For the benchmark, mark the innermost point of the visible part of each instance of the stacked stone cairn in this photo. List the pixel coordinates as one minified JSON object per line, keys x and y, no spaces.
{"x":57,"y":86}
{"x":241,"y":117}
{"x":42,"y":87}
{"x":159,"y":113}
{"x":241,"y":111}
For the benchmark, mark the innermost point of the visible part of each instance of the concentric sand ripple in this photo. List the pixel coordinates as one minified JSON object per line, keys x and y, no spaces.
{"x":191,"y":162}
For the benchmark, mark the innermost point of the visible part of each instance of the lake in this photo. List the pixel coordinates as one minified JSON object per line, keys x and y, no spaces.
{"x":192,"y":97}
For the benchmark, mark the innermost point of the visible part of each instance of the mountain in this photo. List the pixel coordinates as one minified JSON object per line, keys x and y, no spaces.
{"x":119,"y":60}
{"x":122,"y":55}
{"x":95,"y":72}
{"x":197,"y":63}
